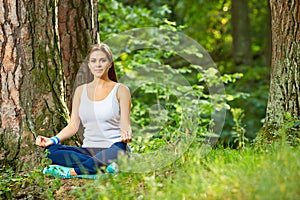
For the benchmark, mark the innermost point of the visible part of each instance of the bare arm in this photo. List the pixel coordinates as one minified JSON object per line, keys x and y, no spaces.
{"x":74,"y":123}
{"x":124,"y":98}
{"x":72,"y":126}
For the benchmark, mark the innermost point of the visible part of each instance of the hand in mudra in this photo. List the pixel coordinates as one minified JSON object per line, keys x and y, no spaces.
{"x":126,"y":136}
{"x":43,"y":141}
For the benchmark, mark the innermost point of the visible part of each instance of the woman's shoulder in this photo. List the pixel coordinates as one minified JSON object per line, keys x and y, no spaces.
{"x":123,"y":90}
{"x":79,"y":89}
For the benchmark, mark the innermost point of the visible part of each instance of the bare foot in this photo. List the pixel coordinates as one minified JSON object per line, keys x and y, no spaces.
{"x":72,"y":172}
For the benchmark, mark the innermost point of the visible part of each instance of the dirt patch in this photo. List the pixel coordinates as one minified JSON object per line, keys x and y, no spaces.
{"x":64,"y":192}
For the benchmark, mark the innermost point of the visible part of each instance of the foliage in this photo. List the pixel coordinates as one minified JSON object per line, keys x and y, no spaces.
{"x":239,"y":129}
{"x":115,"y":18}
{"x":211,"y":28}
{"x":209,"y":23}
{"x":259,"y":15}
{"x":164,"y":93}
{"x":27,"y":185}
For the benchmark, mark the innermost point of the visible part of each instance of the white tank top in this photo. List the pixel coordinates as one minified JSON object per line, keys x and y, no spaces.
{"x":100,"y":119}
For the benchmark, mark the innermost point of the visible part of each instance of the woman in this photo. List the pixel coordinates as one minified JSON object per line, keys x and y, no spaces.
{"x":103,"y":107}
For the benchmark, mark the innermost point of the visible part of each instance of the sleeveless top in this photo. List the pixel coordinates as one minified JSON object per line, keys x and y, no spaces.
{"x":100,"y":119}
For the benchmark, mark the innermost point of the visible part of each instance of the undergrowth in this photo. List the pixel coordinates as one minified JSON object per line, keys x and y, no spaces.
{"x":264,"y":171}
{"x":31,"y":184}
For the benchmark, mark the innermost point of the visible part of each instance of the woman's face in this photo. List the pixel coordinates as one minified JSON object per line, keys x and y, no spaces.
{"x":99,"y":64}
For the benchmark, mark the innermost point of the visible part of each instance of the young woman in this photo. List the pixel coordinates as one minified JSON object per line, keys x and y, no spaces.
{"x":103,"y":107}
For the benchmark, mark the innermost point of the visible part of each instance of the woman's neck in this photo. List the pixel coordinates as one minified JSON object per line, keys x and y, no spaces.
{"x":98,"y":82}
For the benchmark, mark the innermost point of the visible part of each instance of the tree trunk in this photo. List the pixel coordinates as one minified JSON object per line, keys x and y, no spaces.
{"x":242,"y":52}
{"x":284,"y":96}
{"x":33,"y":80}
{"x":78,"y":28}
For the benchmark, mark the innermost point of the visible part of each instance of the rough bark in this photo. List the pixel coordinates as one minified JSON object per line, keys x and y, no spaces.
{"x":242,"y":52}
{"x":284,"y":96}
{"x":11,"y":78}
{"x":77,"y":27}
{"x":33,"y":80}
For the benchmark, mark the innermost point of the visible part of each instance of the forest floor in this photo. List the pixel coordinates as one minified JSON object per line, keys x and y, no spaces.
{"x":67,"y":186}
{"x":270,"y":171}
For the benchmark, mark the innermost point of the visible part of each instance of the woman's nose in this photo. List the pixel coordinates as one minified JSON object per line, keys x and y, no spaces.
{"x":99,"y":64}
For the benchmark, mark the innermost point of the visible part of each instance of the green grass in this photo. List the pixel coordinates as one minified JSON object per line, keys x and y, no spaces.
{"x":268,"y":172}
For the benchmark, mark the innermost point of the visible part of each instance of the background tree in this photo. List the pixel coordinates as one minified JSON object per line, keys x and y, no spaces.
{"x":242,"y":52}
{"x":42,"y":45}
{"x":284,"y":95}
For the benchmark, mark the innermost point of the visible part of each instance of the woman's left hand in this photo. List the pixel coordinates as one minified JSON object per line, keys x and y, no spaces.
{"x":126,"y":136}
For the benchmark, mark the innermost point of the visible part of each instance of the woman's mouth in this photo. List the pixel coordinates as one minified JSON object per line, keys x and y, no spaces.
{"x":99,"y":70}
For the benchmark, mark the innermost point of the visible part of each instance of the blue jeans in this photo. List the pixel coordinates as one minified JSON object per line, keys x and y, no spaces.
{"x":85,"y":160}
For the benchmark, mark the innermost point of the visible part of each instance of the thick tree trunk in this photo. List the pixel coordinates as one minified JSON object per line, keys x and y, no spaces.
{"x":11,"y":34}
{"x":284,"y":96}
{"x":33,"y":80}
{"x":242,"y":52}
{"x":78,"y":28}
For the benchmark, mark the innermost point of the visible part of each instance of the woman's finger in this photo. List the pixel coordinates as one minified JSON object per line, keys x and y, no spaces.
{"x":126,"y":136}
{"x":123,"y":138}
{"x":38,"y":140}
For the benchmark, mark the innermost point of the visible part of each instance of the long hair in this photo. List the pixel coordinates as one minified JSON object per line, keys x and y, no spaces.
{"x":105,"y":49}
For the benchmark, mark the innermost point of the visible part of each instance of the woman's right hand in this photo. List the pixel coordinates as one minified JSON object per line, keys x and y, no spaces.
{"x":43,"y":141}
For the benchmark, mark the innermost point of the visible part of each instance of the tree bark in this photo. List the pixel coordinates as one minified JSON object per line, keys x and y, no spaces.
{"x":78,"y":28}
{"x":11,"y":76}
{"x":33,"y":79}
{"x":284,"y":96}
{"x":242,"y":52}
